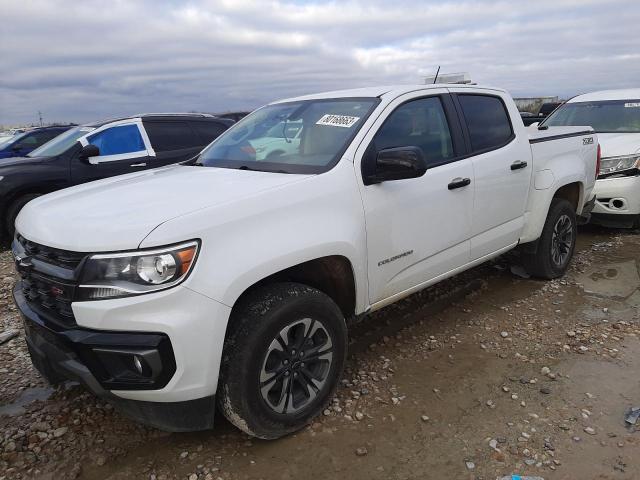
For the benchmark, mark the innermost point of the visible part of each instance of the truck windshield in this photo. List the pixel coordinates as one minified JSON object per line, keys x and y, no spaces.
{"x":297,"y":137}
{"x":619,"y":116}
{"x":61,"y":143}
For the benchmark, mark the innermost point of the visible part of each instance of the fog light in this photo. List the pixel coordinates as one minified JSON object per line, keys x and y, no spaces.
{"x":135,"y":366}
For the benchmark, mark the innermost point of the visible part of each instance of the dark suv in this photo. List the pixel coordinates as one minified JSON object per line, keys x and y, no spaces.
{"x":24,"y":143}
{"x":100,"y":150}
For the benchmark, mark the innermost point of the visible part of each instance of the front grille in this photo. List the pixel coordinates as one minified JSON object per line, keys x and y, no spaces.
{"x":53,"y":256}
{"x":49,"y":279}
{"x":49,"y":296}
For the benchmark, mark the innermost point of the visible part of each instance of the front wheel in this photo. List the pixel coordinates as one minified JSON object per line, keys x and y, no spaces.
{"x":282,"y":359}
{"x":556,"y":244}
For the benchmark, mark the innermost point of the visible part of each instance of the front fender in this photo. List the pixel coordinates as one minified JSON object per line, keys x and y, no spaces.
{"x":253,"y":238}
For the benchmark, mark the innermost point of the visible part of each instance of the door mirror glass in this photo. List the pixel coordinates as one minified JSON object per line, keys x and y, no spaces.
{"x":89,"y":151}
{"x":398,"y":163}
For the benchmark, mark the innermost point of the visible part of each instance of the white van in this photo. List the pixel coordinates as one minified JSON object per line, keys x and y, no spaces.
{"x":615,"y":116}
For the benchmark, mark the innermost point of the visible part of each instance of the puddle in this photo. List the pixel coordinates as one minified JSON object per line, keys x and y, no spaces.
{"x":28,"y":396}
{"x":616,"y":280}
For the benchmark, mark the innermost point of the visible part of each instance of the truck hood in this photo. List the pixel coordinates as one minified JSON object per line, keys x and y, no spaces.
{"x":119,"y":212}
{"x":616,"y":144}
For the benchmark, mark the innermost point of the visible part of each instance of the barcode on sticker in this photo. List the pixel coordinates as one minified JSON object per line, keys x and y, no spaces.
{"x":338,"y":120}
{"x":632,"y":105}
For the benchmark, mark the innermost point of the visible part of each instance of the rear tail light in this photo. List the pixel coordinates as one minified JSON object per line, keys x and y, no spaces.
{"x":598,"y":158}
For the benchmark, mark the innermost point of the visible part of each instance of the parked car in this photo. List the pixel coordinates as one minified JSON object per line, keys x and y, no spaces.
{"x":105,"y":149}
{"x":529,"y":118}
{"x":235,"y":275}
{"x":23,"y":143}
{"x":547,"y":109}
{"x":615,"y":115}
{"x":235,"y":116}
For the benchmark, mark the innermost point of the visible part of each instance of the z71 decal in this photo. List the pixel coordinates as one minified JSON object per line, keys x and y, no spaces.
{"x":587,"y":141}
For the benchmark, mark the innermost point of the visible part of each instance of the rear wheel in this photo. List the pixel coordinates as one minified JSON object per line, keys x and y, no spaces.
{"x":282,"y":359}
{"x":556,"y":244}
{"x":14,"y":210}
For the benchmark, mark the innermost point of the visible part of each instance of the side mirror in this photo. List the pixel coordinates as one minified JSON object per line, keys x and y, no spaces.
{"x":89,"y":151}
{"x":16,"y":148}
{"x":398,"y":163}
{"x":534,"y":124}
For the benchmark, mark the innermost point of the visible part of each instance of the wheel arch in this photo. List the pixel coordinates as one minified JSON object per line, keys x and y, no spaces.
{"x":572,"y":192}
{"x":332,"y":275}
{"x":571,"y":189}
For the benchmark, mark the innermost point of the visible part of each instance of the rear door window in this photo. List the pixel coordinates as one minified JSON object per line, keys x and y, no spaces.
{"x":487,"y":121}
{"x":171,"y":135}
{"x":118,"y":140}
{"x":208,"y":131}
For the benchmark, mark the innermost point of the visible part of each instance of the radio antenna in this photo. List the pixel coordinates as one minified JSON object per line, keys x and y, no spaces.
{"x":436,"y":77}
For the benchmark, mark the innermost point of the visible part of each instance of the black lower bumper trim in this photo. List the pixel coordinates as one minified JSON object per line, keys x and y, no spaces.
{"x":615,"y":220}
{"x":187,"y":416}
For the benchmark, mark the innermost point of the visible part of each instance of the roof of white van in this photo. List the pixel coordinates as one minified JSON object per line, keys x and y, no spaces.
{"x":395,"y":90}
{"x":623,"y":94}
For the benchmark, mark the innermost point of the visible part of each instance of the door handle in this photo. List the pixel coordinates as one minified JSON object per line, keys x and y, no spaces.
{"x":517,"y":165}
{"x":459,"y":183}
{"x":143,"y":164}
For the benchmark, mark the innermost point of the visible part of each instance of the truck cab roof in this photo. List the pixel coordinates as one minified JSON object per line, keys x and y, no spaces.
{"x":389,"y":90}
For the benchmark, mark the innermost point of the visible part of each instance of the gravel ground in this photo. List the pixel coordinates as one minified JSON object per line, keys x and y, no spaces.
{"x":483,"y":375}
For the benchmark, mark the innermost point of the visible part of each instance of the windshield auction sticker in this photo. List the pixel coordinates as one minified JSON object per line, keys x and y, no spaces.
{"x":344,"y":121}
{"x":628,"y":105}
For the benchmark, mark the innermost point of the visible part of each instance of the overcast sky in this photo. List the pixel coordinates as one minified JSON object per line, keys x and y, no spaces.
{"x":87,"y":60}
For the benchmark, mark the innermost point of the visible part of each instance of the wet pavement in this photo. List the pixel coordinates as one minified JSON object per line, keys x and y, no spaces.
{"x":481,"y":376}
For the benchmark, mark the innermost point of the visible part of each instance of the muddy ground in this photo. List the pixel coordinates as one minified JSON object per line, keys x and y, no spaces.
{"x":481,"y":376}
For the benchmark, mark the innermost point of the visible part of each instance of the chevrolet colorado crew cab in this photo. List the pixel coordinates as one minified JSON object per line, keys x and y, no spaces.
{"x":227,"y":280}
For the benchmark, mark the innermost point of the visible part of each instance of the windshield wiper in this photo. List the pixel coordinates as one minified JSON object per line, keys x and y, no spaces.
{"x":245,"y":167}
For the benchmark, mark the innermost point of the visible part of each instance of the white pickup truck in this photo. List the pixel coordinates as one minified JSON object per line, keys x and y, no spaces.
{"x":228,"y":281}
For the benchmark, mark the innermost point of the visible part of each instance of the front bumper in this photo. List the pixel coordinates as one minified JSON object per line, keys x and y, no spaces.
{"x":170,"y":398}
{"x":617,"y":202}
{"x":618,"y":196}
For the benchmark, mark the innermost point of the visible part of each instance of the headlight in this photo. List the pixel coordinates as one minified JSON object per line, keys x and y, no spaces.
{"x":610,"y":165}
{"x":113,"y":275}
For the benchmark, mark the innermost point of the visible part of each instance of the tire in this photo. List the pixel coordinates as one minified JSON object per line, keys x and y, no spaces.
{"x":556,"y":244}
{"x":14,"y":210}
{"x":250,"y":394}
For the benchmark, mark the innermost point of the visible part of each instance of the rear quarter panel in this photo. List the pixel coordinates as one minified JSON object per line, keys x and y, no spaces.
{"x":558,"y":162}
